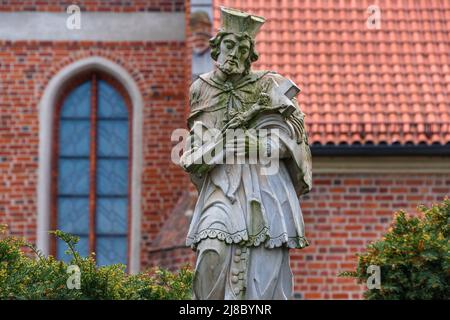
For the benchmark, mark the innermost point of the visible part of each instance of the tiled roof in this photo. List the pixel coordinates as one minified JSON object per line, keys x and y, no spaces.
{"x":361,"y":85}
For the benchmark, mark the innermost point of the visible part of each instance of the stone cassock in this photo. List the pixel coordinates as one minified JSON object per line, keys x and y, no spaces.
{"x":245,"y":221}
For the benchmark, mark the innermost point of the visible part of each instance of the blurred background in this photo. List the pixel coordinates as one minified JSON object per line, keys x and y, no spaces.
{"x":90,"y":95}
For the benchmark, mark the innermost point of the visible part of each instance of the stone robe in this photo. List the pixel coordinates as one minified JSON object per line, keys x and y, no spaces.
{"x":258,"y":216}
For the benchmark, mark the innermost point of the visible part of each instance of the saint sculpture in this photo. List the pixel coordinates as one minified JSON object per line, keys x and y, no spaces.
{"x":245,"y":220}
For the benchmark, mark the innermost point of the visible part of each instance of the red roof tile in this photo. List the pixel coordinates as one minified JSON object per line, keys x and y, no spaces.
{"x":361,"y":85}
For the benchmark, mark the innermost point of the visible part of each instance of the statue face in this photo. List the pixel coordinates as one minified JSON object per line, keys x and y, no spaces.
{"x":233,"y":54}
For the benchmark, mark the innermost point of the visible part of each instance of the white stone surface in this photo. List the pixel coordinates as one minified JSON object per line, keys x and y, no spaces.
{"x":95,"y":26}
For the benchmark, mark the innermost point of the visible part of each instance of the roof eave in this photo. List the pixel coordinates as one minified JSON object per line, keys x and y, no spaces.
{"x":380,"y":150}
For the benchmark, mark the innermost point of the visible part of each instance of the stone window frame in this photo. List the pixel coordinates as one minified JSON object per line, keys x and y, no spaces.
{"x":47,"y":108}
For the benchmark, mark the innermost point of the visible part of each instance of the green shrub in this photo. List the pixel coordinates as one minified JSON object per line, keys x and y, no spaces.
{"x":413,"y":256}
{"x":22,"y":277}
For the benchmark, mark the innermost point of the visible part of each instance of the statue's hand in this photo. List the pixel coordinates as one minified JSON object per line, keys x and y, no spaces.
{"x":243,"y":144}
{"x":253,"y":143}
{"x":237,"y":121}
{"x":200,"y":169}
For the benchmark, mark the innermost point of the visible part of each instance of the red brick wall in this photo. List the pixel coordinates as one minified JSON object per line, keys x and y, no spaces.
{"x":159,"y":69}
{"x":343,"y":213}
{"x":172,"y":258}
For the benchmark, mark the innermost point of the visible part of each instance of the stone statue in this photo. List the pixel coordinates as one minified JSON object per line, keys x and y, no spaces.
{"x":245,"y":221}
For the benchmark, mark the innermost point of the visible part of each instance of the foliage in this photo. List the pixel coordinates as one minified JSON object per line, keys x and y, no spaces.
{"x":414,"y":257}
{"x":22,"y":277}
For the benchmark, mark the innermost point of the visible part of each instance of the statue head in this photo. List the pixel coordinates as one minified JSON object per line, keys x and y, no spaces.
{"x":233,"y":47}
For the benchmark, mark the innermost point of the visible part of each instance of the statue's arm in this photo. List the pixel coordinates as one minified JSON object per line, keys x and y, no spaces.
{"x":203,"y":136}
{"x":275,"y":141}
{"x":297,"y":121}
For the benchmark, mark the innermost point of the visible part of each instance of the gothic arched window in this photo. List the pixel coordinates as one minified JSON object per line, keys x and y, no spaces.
{"x":91,"y":168}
